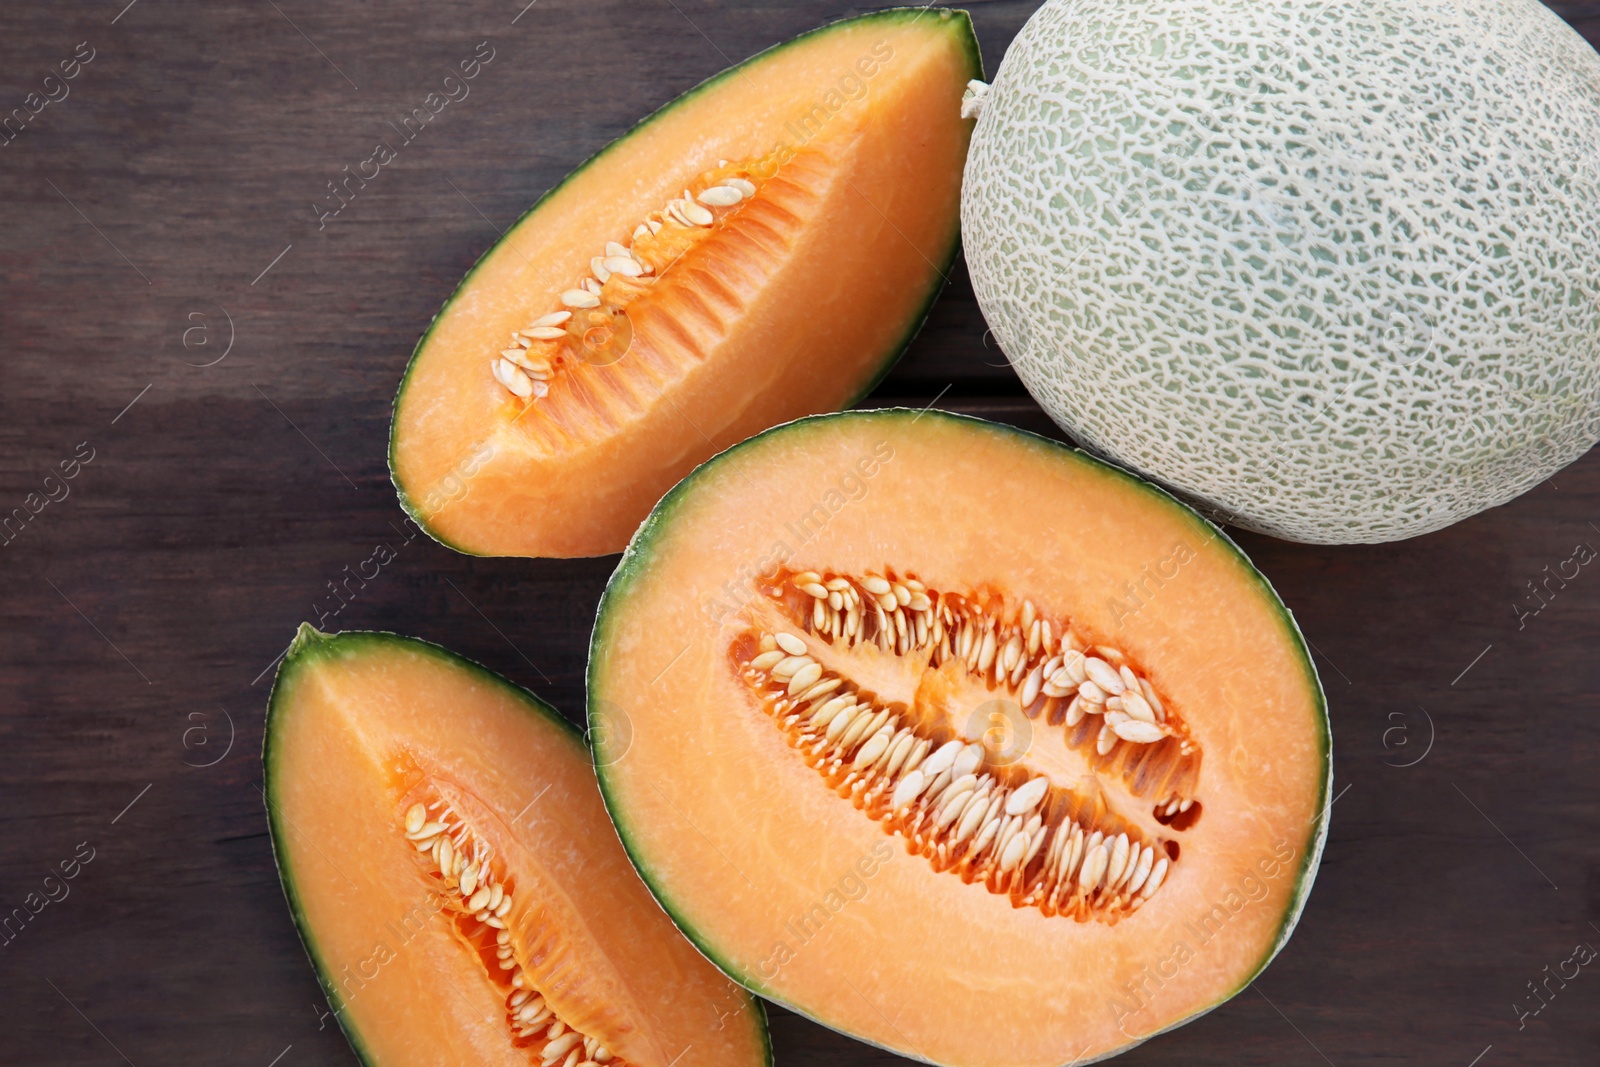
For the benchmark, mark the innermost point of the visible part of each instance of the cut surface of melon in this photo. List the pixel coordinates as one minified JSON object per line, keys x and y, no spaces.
{"x":762,"y":248}
{"x":449,"y":863}
{"x":957,"y":740}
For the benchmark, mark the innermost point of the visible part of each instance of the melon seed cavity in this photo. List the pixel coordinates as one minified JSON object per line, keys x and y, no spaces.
{"x":478,"y":892}
{"x":1047,"y":845}
{"x":590,"y":325}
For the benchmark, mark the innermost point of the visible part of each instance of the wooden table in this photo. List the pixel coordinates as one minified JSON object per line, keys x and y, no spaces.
{"x":169,"y":197}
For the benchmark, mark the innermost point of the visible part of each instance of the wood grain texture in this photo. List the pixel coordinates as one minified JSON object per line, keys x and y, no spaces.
{"x":143,"y":612}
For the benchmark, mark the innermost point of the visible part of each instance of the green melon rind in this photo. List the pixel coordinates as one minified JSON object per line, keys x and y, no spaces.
{"x":1285,"y":239}
{"x":951,"y":20}
{"x":310,"y":646}
{"x":635,"y":564}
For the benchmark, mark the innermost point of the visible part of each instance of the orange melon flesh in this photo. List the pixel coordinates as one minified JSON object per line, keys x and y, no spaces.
{"x":797,"y":304}
{"x":809,"y":902}
{"x":363,"y":725}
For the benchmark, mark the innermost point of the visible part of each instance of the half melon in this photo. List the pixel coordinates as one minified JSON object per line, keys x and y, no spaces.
{"x":763,"y":247}
{"x":449,"y":863}
{"x":957,"y":740}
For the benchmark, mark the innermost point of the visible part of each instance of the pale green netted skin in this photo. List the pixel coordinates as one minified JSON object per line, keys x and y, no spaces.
{"x":1330,"y":269}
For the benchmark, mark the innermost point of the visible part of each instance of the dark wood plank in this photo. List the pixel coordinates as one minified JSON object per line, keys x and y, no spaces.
{"x":144,"y":611}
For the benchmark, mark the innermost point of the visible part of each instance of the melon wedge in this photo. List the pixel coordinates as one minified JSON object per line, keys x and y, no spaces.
{"x":957,"y":740}
{"x":763,"y":247}
{"x":430,"y":818}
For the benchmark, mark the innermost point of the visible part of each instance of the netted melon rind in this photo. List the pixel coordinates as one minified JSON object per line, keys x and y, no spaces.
{"x":1332,"y":270}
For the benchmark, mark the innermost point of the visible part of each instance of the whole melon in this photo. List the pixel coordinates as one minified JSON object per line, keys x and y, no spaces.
{"x":1331,"y":269}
